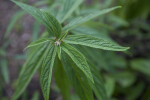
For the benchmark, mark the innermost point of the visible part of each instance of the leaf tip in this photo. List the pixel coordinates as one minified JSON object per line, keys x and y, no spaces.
{"x":127,"y":48}
{"x":119,"y":7}
{"x":25,"y":48}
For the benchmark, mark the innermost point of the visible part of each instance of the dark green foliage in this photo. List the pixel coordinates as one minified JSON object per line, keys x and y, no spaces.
{"x":46,"y":71}
{"x":134,"y":8}
{"x":75,"y":70}
{"x":61,"y":79}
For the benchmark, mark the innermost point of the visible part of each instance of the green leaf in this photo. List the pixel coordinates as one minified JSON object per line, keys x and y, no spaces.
{"x":17,"y":16}
{"x":63,"y":35}
{"x":61,"y":80}
{"x":37,"y":14}
{"x":13,"y":20}
{"x":74,"y":97}
{"x":93,"y":42}
{"x":141,"y":65}
{"x":42,"y":16}
{"x":35,"y":96}
{"x":80,"y":20}
{"x":67,"y":9}
{"x":59,"y":52}
{"x":117,"y":21}
{"x":79,"y":59}
{"x":107,"y":60}
{"x":88,"y":31}
{"x":38,"y":42}
{"x":33,"y":62}
{"x":35,"y":31}
{"x":46,"y":71}
{"x":51,"y":23}
{"x":40,"y":3}
{"x":92,"y":58}
{"x":134,"y":92}
{"x":125,"y":78}
{"x":92,"y":31}
{"x":110,"y":86}
{"x":4,"y":70}
{"x":98,"y":86}
{"x":77,"y":78}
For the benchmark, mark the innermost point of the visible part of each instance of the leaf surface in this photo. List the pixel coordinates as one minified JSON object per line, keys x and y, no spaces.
{"x":4,"y":70}
{"x":13,"y":20}
{"x":52,"y":24}
{"x":141,"y":65}
{"x":80,"y":20}
{"x":98,"y":87}
{"x":109,"y":85}
{"x":79,"y":59}
{"x":61,"y":79}
{"x":35,"y":31}
{"x":67,"y":9}
{"x":38,"y":42}
{"x":78,"y":81}
{"x":37,"y":14}
{"x":92,"y":32}
{"x":46,"y":71}
{"x":94,"y":42}
{"x":32,"y":64}
{"x":48,"y":20}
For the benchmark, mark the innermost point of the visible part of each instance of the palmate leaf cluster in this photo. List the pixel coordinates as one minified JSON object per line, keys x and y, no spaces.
{"x":57,"y":50}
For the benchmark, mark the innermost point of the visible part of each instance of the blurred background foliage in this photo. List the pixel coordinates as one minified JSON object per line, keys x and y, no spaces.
{"x":126,"y":74}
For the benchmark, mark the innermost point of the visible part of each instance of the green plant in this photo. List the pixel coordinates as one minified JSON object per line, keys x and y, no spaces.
{"x":53,"y":50}
{"x":4,"y":64}
{"x":4,"y":72}
{"x":20,"y":14}
{"x":132,"y":6}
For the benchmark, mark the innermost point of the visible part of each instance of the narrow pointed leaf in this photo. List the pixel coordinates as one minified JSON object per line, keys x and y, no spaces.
{"x":32,"y":64}
{"x":67,"y":9}
{"x":78,"y":81}
{"x":36,"y":95}
{"x":63,"y":35}
{"x":51,"y":23}
{"x":80,"y":20}
{"x":141,"y":65}
{"x":90,"y":31}
{"x":48,"y":20}
{"x":35,"y":31}
{"x":61,"y":80}
{"x":18,"y":16}
{"x":93,"y":42}
{"x":46,"y":72}
{"x":109,"y":85}
{"x":38,"y":42}
{"x":59,"y":52}
{"x":4,"y":70}
{"x":98,"y":87}
{"x":13,"y":20}
{"x":79,"y":59}
{"x":37,"y":14}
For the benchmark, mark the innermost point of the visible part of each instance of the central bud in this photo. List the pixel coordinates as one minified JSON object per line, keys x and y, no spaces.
{"x":57,"y":43}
